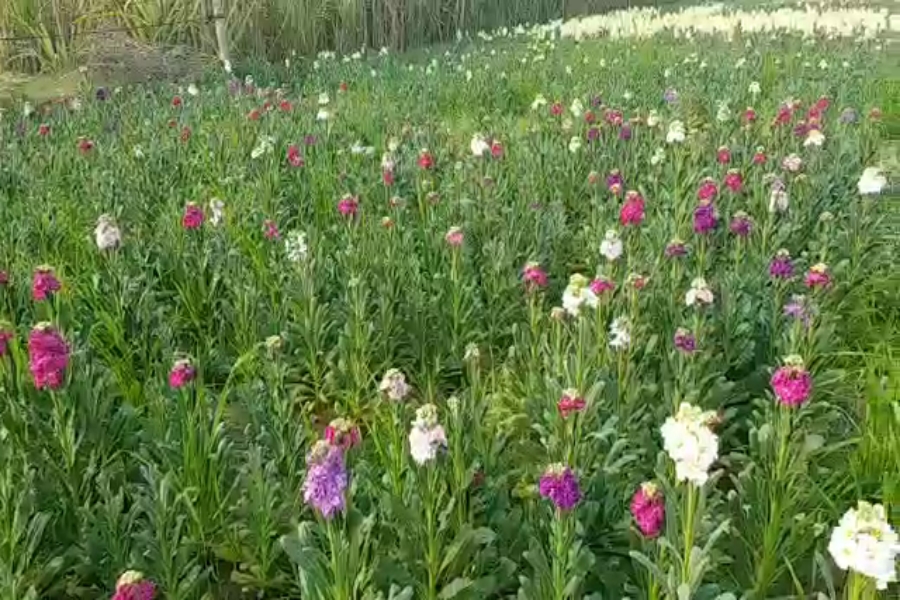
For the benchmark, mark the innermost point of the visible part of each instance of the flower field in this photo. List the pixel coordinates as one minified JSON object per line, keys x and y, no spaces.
{"x":521,"y":317}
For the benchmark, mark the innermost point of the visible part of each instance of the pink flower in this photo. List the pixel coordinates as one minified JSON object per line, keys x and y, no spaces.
{"x":193,"y":216}
{"x":675,"y":249}
{"x":426,"y":160}
{"x":85,"y":145}
{"x":182,"y":373}
{"x":497,"y":149}
{"x":750,"y":115}
{"x":48,"y":357}
{"x":723,"y":155}
{"x":707,"y":191}
{"x":285,"y":106}
{"x":632,"y":212}
{"x":759,"y":157}
{"x":4,"y":278}
{"x":792,"y":383}
{"x":254,"y":114}
{"x":741,"y":225}
{"x":44,"y":284}
{"x":294,"y":156}
{"x":734,"y":181}
{"x":176,"y":101}
{"x":648,"y":509}
{"x":133,"y":586}
{"x":342,"y":433}
{"x":270,"y":230}
{"x":570,"y":402}
{"x":44,"y":129}
{"x":534,"y":276}
{"x":601,"y":286}
{"x":348,"y":206}
{"x":387,"y":177}
{"x":454,"y":237}
{"x":817,"y":276}
{"x":556,"y":109}
{"x":614,"y":117}
{"x":614,"y":182}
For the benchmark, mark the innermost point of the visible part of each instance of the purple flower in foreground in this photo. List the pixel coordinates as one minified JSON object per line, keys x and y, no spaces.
{"x":326,"y":480}
{"x":685,"y":341}
{"x":560,"y":486}
{"x":781,"y":266}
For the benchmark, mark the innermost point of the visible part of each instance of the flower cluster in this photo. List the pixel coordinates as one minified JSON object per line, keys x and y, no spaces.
{"x":690,"y":443}
{"x":559,"y":485}
{"x":426,"y":437}
{"x":865,"y":542}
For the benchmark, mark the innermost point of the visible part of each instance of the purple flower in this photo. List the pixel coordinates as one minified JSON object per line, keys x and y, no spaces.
{"x":781,"y":266}
{"x":592,"y":134}
{"x":685,"y":341}
{"x":310,"y":140}
{"x":741,"y":225}
{"x":596,"y":101}
{"x":705,"y":218}
{"x":799,"y":308}
{"x":675,"y":248}
{"x":670,"y":96}
{"x":849,"y":115}
{"x":625,"y":132}
{"x":326,"y":480}
{"x":234,"y":87}
{"x":560,"y":486}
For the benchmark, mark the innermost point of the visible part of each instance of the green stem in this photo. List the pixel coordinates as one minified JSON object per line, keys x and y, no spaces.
{"x":690,"y":509}
{"x":432,"y":554}
{"x":560,"y":543}
{"x":341,"y":591}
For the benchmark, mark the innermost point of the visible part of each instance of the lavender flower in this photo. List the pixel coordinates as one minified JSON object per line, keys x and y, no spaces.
{"x":800,"y":309}
{"x":326,"y":479}
{"x":685,"y":341}
{"x":560,"y":486}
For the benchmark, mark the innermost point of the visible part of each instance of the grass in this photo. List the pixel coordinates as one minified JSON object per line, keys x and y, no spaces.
{"x":200,"y":486}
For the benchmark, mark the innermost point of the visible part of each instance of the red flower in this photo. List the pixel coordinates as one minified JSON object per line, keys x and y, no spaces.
{"x":785,"y":114}
{"x":176,"y":101}
{"x":172,"y":123}
{"x":270,"y":230}
{"x":750,"y":115}
{"x":570,"y":403}
{"x":254,"y":115}
{"x":44,"y":129}
{"x":723,"y":155}
{"x":343,"y":87}
{"x":708,"y":190}
{"x":632,"y":212}
{"x":85,"y":145}
{"x":185,"y":133}
{"x":734,"y":181}
{"x":759,"y":157}
{"x":426,"y":160}
{"x":556,"y":109}
{"x":294,"y":157}
{"x":193,"y":216}
{"x":589,"y":117}
{"x":387,"y":177}
{"x":285,"y":106}
{"x":496,"y":149}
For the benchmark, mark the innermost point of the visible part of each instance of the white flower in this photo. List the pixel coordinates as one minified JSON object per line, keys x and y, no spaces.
{"x":627,"y":95}
{"x":871,"y":181}
{"x":479,"y":145}
{"x":814,"y":137}
{"x":324,"y":99}
{"x":217,"y":212}
{"x":577,"y":294}
{"x":866,"y":543}
{"x":192,"y":90}
{"x":740,"y":62}
{"x":699,"y":293}
{"x":394,"y":385}
{"x":620,"y":333}
{"x":676,"y":133}
{"x":754,"y":88}
{"x":469,"y":75}
{"x":723,"y":114}
{"x":323,"y":115}
{"x":792,"y":163}
{"x":137,"y":152}
{"x":611,"y":247}
{"x":577,"y":108}
{"x":658,"y":156}
{"x":426,"y":437}
{"x":690,"y":443}
{"x":27,"y":110}
{"x":265,"y":146}
{"x":295,"y":246}
{"x":226,"y":64}
{"x":778,"y":199}
{"x":539,"y":101}
{"x":575,"y":144}
{"x":359,"y":148}
{"x":823,"y":64}
{"x":107,"y":234}
{"x":653,"y":119}
{"x":383,"y":51}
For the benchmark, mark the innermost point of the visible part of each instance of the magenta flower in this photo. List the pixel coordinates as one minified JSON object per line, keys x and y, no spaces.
{"x":534,"y":276}
{"x":675,"y":249}
{"x":182,"y":373}
{"x":133,"y":586}
{"x":593,"y":134}
{"x":342,"y":433}
{"x":348,"y":206}
{"x":601,"y":286}
{"x":707,"y":191}
{"x":570,"y":402}
{"x":48,"y":357}
{"x":723,"y":155}
{"x":193,"y":216}
{"x":685,"y":341}
{"x":705,"y":218}
{"x":614,"y":182}
{"x":741,"y":225}
{"x":270,"y":230}
{"x":44,"y":284}
{"x":632,"y":212}
{"x":454,"y":237}
{"x":294,"y":156}
{"x":792,"y":383}
{"x":560,"y":486}
{"x":817,"y":276}
{"x":4,"y":278}
{"x":648,"y":509}
{"x":781,"y":266}
{"x":625,"y":132}
{"x":734,"y":181}
{"x":326,"y":481}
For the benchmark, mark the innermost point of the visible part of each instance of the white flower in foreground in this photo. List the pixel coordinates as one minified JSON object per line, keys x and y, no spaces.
{"x":427,"y":436}
{"x":577,"y":108}
{"x":539,"y":101}
{"x":871,"y":181}
{"x":754,"y":88}
{"x":137,"y":152}
{"x":193,"y":90}
{"x":653,"y":119}
{"x":479,"y":145}
{"x":723,"y":114}
{"x":658,"y":156}
{"x":575,"y":144}
{"x":295,"y":246}
{"x":265,"y":146}
{"x":107,"y":233}
{"x":611,"y":247}
{"x":699,"y":293}
{"x":676,"y":132}
{"x":324,"y":99}
{"x":394,"y":385}
{"x":216,"y":211}
{"x":27,"y":110}
{"x":690,"y":443}
{"x":814,"y":137}
{"x":779,"y":201}
{"x":792,"y":162}
{"x":620,"y":333}
{"x":577,"y":294}
{"x":323,"y":115}
{"x":866,"y":543}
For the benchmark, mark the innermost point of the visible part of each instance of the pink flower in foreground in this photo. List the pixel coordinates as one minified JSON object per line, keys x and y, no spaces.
{"x":723,"y":155}
{"x":570,"y":402}
{"x":734,"y":181}
{"x":454,"y":237}
{"x":792,"y":383}
{"x":707,"y":190}
{"x":632,"y":212}
{"x":741,"y":225}
{"x":348,"y":206}
{"x":426,"y":160}
{"x":270,"y":230}
{"x":648,"y":509}
{"x":342,"y":433}
{"x":48,"y":357}
{"x":294,"y":156}
{"x":817,"y":276}
{"x":44,"y":284}
{"x":182,"y":373}
{"x":193,"y":216}
{"x":601,"y":286}
{"x":132,"y":586}
{"x":534,"y":276}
